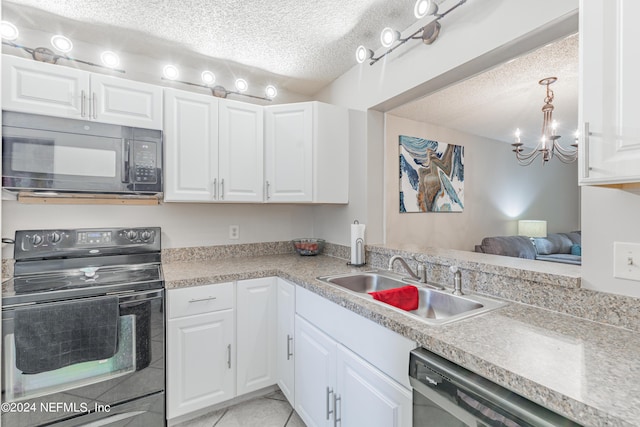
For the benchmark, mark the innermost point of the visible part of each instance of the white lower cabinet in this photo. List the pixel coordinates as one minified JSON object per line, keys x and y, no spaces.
{"x":221,"y":343}
{"x":334,"y":385}
{"x":334,"y":366}
{"x":285,"y":362}
{"x":200,"y":348}
{"x":315,"y":374}
{"x":256,"y":311}
{"x":348,"y":369}
{"x":367,"y":397}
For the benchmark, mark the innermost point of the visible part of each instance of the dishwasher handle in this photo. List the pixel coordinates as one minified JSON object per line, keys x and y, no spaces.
{"x":435,"y":377}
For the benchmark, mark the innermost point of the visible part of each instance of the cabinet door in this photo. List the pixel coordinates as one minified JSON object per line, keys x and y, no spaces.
{"x":289,"y":153}
{"x":367,"y":397}
{"x":241,"y":152}
{"x":315,"y":372}
{"x":610,"y":65}
{"x":285,"y":339}
{"x":39,"y":88}
{"x":125,"y":102}
{"x":200,"y":362}
{"x":256,"y":307}
{"x":191,"y":147}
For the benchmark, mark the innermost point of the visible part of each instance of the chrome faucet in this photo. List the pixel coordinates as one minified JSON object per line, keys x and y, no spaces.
{"x":420,"y":276}
{"x":457,"y":280}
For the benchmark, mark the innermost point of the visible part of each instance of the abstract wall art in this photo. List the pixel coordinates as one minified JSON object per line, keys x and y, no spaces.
{"x":431,"y":176}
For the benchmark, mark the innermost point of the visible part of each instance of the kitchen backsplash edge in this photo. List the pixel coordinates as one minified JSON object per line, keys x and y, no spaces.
{"x":553,"y":292}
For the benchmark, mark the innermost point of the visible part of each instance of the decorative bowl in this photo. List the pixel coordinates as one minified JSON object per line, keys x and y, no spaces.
{"x":307,"y":247}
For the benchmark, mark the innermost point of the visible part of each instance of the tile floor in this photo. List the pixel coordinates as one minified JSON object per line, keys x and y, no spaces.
{"x":271,"y":410}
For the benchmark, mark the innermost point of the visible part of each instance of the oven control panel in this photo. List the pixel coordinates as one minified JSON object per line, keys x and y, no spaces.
{"x":85,"y":242}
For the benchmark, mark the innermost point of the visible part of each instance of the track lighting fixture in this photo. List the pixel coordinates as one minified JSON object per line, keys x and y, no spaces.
{"x":428,"y":33}
{"x":8,"y":30}
{"x":242,"y":85}
{"x":43,"y":54}
{"x":61,"y":43}
{"x":388,"y":36}
{"x":208,"y":77}
{"x":170,"y":72}
{"x":424,"y":8}
{"x":111,"y":60}
{"x":220,"y":92}
{"x":362,"y":54}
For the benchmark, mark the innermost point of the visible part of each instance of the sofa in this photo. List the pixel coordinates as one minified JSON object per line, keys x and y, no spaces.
{"x":556,"y":247}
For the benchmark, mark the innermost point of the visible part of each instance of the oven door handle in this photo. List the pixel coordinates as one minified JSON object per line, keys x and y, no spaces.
{"x":113,"y":418}
{"x":140,"y":296}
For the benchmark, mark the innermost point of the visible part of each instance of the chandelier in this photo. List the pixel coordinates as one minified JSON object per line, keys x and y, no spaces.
{"x":548,"y":146}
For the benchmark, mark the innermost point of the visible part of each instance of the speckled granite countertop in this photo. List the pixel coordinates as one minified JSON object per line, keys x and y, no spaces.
{"x":585,"y":370}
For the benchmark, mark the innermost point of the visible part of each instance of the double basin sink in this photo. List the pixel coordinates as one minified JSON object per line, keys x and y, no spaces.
{"x":435,"y":306}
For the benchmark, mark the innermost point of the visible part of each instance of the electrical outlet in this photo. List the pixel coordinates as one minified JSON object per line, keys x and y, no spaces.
{"x":234,"y":232}
{"x":626,"y":260}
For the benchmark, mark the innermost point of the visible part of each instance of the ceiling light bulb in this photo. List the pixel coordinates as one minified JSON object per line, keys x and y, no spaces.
{"x":388,"y":36}
{"x":208,"y":77}
{"x":110,"y":59}
{"x":362,"y":54}
{"x":8,"y":30}
{"x":242,"y":85}
{"x":170,"y":72}
{"x":424,"y":8}
{"x":271,"y":92}
{"x":61,"y":43}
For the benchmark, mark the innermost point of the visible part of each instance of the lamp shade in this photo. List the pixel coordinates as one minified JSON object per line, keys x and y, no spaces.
{"x":532,"y":228}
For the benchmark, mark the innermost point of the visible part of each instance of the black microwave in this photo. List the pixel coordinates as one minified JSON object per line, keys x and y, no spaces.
{"x":42,"y":153}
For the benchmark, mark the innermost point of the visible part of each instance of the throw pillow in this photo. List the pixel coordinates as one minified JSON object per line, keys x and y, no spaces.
{"x":576,"y":250}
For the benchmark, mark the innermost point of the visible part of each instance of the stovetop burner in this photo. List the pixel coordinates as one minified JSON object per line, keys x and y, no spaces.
{"x":53,"y":265}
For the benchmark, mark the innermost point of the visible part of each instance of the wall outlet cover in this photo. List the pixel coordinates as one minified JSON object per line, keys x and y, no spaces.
{"x":234,"y":232}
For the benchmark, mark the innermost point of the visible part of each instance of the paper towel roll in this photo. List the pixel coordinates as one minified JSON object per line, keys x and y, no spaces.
{"x":357,"y":247}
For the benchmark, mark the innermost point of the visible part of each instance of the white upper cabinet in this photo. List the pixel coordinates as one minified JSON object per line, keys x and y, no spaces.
{"x":610,"y":87}
{"x":191,"y":147}
{"x":241,"y":139}
{"x":126,"y":102}
{"x":306,"y":153}
{"x":38,"y":88}
{"x":35,"y":87}
{"x":213,"y":149}
{"x":289,"y":153}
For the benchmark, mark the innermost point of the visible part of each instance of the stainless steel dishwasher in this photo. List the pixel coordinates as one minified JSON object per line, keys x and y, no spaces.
{"x":447,"y":395}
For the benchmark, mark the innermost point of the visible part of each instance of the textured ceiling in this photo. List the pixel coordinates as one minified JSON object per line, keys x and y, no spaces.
{"x":493,"y":104}
{"x":303,"y":44}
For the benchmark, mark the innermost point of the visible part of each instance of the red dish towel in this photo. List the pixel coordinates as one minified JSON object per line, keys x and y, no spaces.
{"x":405,"y":297}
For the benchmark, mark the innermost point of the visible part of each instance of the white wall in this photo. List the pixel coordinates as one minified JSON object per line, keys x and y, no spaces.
{"x":183,"y":224}
{"x":497,"y":192}
{"x":608,"y":216}
{"x":366,"y":179}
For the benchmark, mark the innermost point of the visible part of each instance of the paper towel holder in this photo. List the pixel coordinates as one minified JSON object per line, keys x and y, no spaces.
{"x":359,"y":251}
